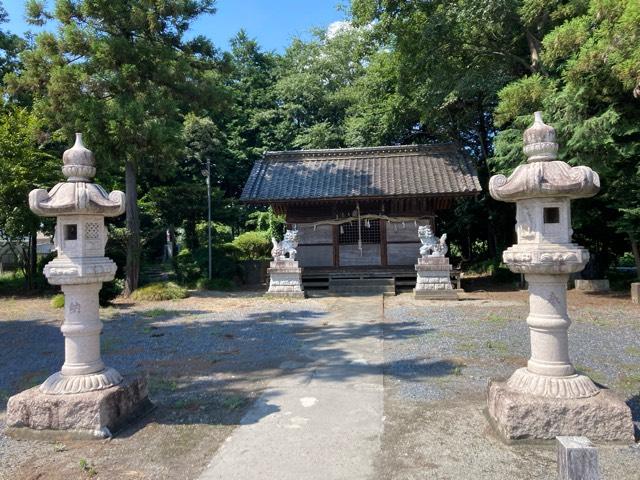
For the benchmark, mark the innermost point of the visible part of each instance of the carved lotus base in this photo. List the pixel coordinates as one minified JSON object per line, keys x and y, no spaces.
{"x":59,"y":384}
{"x":546,"y":259}
{"x":83,"y":270}
{"x":572,"y":386}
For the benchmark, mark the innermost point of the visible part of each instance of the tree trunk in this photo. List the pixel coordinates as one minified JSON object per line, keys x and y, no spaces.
{"x":635,"y":248}
{"x":534,"y":52}
{"x":133,"y":229}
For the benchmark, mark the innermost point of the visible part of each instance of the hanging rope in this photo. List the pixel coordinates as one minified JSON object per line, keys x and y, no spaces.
{"x":340,"y":221}
{"x":359,"y":229}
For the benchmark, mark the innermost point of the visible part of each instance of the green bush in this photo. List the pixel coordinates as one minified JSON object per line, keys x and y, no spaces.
{"x":110,"y":290}
{"x":253,"y":245}
{"x":220,"y":233}
{"x":215,"y":284}
{"x":57,"y":301}
{"x":160,"y":291}
{"x":224,"y":263}
{"x":187,"y":268}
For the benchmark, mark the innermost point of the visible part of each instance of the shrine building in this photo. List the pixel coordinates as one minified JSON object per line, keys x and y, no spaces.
{"x":357,"y":210}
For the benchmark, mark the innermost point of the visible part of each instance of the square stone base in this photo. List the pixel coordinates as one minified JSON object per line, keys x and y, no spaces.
{"x":97,"y":414}
{"x":448,"y":294}
{"x":282,"y":294}
{"x":603,"y":417}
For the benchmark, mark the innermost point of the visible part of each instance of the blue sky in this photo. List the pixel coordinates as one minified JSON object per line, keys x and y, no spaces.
{"x":272,"y":22}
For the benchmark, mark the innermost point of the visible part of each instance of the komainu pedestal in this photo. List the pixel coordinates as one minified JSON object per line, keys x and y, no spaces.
{"x":433,"y":281}
{"x":433,"y":271}
{"x":548,"y":398}
{"x":285,"y":276}
{"x":285,"y":279}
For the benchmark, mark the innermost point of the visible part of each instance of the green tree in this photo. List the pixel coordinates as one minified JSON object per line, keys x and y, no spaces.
{"x":10,"y":47}
{"x":253,"y":122}
{"x":24,"y":165}
{"x":589,"y":91}
{"x":122,"y":72}
{"x":313,"y":87}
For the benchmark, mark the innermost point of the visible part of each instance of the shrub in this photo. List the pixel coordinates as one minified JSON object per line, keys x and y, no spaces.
{"x":110,"y":290}
{"x":224,"y":263}
{"x":220,"y":233}
{"x":187,"y":268}
{"x":57,"y":301}
{"x":215,"y":284}
{"x":253,"y":245}
{"x":160,"y":291}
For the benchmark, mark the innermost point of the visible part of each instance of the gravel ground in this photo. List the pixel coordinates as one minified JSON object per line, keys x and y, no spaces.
{"x":204,"y":370}
{"x":436,"y":374}
{"x":209,"y":356}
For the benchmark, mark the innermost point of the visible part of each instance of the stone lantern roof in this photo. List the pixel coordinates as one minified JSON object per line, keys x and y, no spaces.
{"x":543,"y":175}
{"x":78,"y":195}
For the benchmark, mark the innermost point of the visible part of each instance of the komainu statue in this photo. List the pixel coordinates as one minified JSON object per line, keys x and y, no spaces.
{"x":286,"y":246}
{"x":432,"y":246}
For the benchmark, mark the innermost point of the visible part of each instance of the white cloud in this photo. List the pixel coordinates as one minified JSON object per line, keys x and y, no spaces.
{"x":338,"y":27}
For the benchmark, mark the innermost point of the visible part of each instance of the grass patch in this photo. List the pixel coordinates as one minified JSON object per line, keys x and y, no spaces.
{"x":186,"y":404}
{"x":109,"y":345}
{"x":223,"y":284}
{"x":234,"y":402}
{"x":59,"y":447}
{"x":496,"y":346}
{"x":57,"y":301}
{"x":162,"y":385}
{"x":87,"y":468}
{"x":629,"y":381}
{"x":591,"y":373}
{"x":156,"y":312}
{"x":4,"y":396}
{"x":497,"y":319}
{"x":12,"y":283}
{"x":467,"y":347}
{"x":160,"y":291}
{"x":632,"y":350}
{"x":32,"y":379}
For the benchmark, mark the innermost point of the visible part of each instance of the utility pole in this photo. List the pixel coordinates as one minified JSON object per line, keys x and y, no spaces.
{"x":209,"y":211}
{"x":207,"y":174}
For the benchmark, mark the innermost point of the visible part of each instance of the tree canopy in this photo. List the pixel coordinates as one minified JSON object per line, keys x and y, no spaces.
{"x":155,"y":104}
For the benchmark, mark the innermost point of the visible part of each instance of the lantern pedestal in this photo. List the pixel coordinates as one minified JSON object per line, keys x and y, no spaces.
{"x":96,"y":414}
{"x":517,"y":415}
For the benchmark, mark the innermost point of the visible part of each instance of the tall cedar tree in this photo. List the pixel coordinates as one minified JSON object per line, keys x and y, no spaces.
{"x":589,"y":87}
{"x":122,"y":72}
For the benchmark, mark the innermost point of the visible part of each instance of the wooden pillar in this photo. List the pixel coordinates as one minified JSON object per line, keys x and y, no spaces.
{"x":336,"y":245}
{"x":383,"y":243}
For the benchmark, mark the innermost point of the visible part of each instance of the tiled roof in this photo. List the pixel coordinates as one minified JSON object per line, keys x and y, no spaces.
{"x":406,"y":170}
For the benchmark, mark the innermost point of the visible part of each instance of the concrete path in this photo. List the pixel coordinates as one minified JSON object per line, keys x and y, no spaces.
{"x":324,"y":419}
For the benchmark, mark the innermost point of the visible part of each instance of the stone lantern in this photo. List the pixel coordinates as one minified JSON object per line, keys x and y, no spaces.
{"x":80,"y":268}
{"x":548,"y":397}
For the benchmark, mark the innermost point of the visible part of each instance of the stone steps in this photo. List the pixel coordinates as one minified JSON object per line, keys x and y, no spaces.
{"x":362,"y":286}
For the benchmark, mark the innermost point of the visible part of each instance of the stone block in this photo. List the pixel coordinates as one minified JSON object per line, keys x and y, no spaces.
{"x":635,"y":292}
{"x":96,"y":414}
{"x":577,"y":459}
{"x":592,"y":285}
{"x":443,"y":294}
{"x":285,"y":279}
{"x":602,"y":417}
